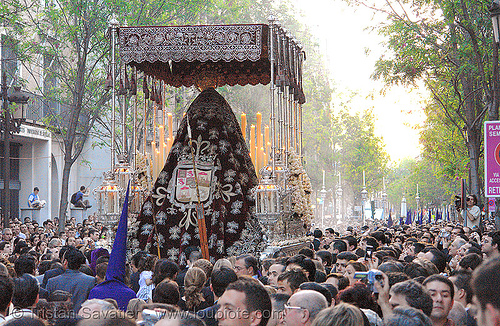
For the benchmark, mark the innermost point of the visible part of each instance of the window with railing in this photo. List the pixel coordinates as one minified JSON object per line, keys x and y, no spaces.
{"x":9,"y":59}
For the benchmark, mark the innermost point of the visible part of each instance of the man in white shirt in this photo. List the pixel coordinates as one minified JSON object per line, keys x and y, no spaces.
{"x":472,"y":213}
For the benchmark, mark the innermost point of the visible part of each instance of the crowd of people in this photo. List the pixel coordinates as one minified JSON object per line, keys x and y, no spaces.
{"x":439,"y":275}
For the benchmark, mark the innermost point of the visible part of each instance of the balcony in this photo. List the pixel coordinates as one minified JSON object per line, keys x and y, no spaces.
{"x":47,"y":112}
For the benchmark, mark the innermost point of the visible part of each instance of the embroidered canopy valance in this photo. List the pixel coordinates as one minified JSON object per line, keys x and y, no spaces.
{"x":214,"y":54}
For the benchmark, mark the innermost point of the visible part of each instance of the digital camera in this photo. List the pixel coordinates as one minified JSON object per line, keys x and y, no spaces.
{"x":371,"y":276}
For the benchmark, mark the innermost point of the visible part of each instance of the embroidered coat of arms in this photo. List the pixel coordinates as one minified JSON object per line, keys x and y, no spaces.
{"x":225,"y":177}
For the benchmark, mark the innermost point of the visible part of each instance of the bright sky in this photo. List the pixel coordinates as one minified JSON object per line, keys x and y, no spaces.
{"x":345,"y":43}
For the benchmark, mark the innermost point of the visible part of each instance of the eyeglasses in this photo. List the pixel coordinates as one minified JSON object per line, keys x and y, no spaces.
{"x":287,"y":307}
{"x":469,"y":199}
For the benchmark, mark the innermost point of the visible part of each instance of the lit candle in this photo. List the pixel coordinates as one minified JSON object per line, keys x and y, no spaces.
{"x":261,"y":158}
{"x":323,"y":177}
{"x":158,"y":164}
{"x":169,"y":145}
{"x":258,"y":130}
{"x":153,"y":154}
{"x":165,"y":154}
{"x":170,"y":126}
{"x":161,"y":142}
{"x":260,"y":140}
{"x":244,"y":125}
{"x":266,"y":134}
{"x":268,"y":152}
{"x":364,"y":178}
{"x":252,"y":143}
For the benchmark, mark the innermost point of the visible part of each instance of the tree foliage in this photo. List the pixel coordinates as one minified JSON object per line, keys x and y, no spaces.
{"x":434,"y":188}
{"x":65,"y":44}
{"x":448,"y":45}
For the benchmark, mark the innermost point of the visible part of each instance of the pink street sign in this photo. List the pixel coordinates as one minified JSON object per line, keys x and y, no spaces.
{"x":491,"y":205}
{"x":492,"y":158}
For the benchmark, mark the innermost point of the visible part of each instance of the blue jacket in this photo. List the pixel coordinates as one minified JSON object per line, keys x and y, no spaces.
{"x":74,"y":282}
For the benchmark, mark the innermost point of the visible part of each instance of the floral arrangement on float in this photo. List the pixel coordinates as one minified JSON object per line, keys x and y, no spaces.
{"x":301,"y":189}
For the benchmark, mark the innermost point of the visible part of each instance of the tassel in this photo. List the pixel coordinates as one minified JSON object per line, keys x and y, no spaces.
{"x":121,"y":89}
{"x":153,"y":91}
{"x":133,"y":84}
{"x":109,"y":81}
{"x":145,"y":88}
{"x":160,"y":97}
{"x":127,"y":83}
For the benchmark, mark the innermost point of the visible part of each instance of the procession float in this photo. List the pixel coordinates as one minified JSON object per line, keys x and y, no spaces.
{"x":202,"y":179}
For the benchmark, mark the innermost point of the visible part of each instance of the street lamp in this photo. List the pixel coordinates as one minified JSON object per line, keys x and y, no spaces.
{"x":339,"y":192}
{"x":322,"y":195}
{"x":384,"y":198}
{"x":11,"y":124}
{"x":495,"y":19}
{"x":417,"y":199}
{"x":364,"y":198}
{"x":267,"y":203}
{"x":403,"y":207}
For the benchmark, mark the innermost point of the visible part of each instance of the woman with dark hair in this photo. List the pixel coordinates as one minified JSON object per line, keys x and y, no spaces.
{"x":193,"y":300}
{"x":165,"y":270}
{"x":305,"y":263}
{"x":360,"y":295}
{"x":341,"y":315}
{"x":41,"y":247}
{"x":166,"y":292}
{"x":353,"y":267}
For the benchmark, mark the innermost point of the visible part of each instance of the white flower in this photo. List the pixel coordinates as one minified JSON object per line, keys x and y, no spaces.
{"x":146,"y":229}
{"x":185,"y":239}
{"x":232,"y":227}
{"x":174,"y":232}
{"x":173,"y":253}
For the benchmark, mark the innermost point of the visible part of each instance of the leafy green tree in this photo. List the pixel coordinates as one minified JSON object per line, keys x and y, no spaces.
{"x":434,"y":188}
{"x":448,"y":45}
{"x":359,"y":150}
{"x":72,"y":36}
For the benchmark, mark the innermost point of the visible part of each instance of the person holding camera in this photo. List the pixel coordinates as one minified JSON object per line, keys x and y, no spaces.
{"x":472,"y":213}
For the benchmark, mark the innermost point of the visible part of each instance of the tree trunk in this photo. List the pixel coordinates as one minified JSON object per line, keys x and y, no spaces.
{"x":475,"y":180}
{"x":63,"y":203}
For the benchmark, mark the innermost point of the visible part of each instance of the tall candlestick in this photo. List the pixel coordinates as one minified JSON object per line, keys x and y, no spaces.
{"x":258,"y":161}
{"x":153,"y":158}
{"x":169,"y":145}
{"x":268,"y":152}
{"x":170,"y":126}
{"x":244,"y":125}
{"x":266,"y":156}
{"x":252,"y":143}
{"x":261,"y":157}
{"x":258,"y":130}
{"x":165,"y":155}
{"x":158,"y":164}
{"x":161,"y":142}
{"x":266,"y":134}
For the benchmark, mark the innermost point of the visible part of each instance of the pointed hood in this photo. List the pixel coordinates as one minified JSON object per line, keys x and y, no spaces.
{"x":389,"y":220}
{"x":116,"y":264}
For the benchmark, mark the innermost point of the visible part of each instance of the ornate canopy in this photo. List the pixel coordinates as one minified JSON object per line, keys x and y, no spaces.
{"x":217,"y":54}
